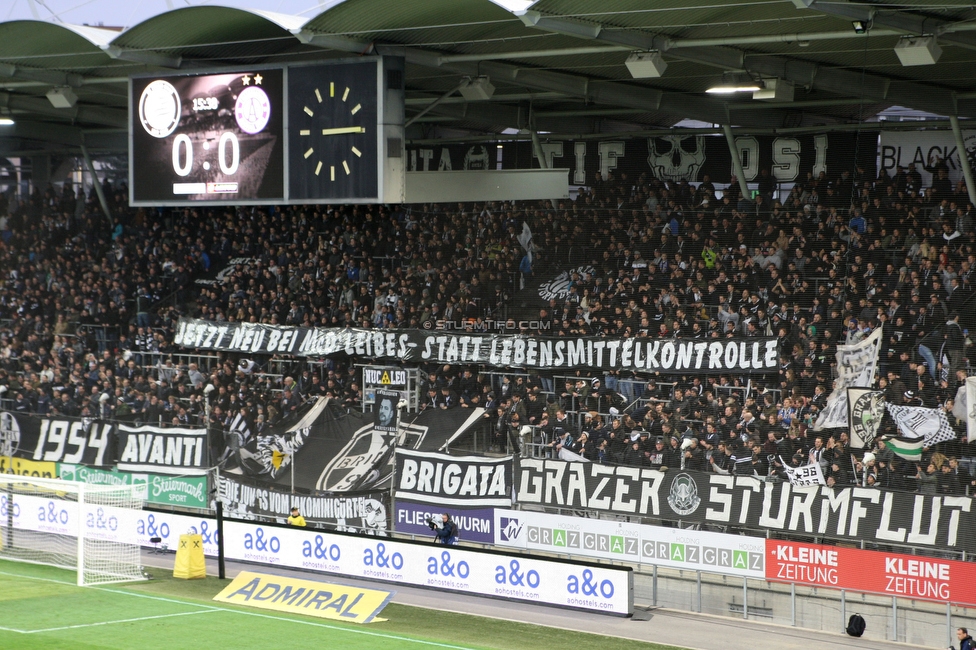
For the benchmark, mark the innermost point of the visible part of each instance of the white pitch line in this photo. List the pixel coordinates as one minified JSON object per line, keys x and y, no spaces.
{"x":350,"y":630}
{"x":393,"y":637}
{"x":10,"y":629}
{"x":125,"y":620}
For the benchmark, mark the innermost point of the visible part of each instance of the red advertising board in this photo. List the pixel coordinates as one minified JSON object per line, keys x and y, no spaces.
{"x":877,"y":572}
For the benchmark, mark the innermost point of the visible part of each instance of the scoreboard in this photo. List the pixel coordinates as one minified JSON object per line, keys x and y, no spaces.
{"x":328,"y":132}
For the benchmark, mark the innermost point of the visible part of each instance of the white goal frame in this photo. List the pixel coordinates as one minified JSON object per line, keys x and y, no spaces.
{"x":100,"y":556}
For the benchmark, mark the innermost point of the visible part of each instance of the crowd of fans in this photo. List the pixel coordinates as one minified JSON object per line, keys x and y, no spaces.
{"x":88,"y":307}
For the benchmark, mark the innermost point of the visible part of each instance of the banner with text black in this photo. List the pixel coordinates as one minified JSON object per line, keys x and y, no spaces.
{"x":669,"y":158}
{"x":699,"y":356}
{"x":174,"y":450}
{"x":352,"y":512}
{"x":869,"y":514}
{"x":58,"y":439}
{"x":453,"y":480}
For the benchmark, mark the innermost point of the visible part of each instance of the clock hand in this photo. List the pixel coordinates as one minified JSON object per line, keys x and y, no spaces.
{"x":345,"y":129}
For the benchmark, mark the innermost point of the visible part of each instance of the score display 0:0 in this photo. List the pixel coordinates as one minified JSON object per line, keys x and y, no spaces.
{"x":182,"y":141}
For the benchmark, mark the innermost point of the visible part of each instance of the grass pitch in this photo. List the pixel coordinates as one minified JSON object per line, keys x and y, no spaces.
{"x":42,"y":609}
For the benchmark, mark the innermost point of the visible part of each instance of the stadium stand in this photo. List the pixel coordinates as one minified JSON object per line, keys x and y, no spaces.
{"x":661,"y":259}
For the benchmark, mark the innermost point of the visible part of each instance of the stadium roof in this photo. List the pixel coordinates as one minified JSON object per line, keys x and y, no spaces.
{"x":557,"y":65}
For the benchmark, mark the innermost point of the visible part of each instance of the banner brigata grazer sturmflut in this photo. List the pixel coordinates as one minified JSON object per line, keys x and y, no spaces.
{"x":870,"y":514}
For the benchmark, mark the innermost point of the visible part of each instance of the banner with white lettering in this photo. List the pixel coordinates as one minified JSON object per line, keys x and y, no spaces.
{"x":855,"y":367}
{"x":668,"y":158}
{"x":708,"y":356}
{"x":811,"y":474}
{"x":877,"y":572}
{"x":924,"y":149}
{"x":57,"y":439}
{"x":440,"y":479}
{"x":353,"y":512}
{"x":474,"y":524}
{"x":872,"y":514}
{"x":173,"y":450}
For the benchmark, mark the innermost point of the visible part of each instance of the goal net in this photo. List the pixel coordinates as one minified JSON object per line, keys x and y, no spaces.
{"x":71,"y":525}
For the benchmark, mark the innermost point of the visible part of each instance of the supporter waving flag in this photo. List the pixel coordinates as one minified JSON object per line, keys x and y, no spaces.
{"x":931,"y":426}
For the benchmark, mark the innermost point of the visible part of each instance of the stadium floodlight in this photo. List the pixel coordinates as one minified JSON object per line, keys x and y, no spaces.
{"x":60,"y":534}
{"x":860,"y":27}
{"x":778,"y":90}
{"x":6,"y":121}
{"x":735,"y":83}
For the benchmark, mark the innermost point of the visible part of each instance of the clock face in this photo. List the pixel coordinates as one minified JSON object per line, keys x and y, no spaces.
{"x":216,"y":137}
{"x":332,"y":132}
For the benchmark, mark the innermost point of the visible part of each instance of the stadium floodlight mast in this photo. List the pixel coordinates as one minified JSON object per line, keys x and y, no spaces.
{"x":71,"y":525}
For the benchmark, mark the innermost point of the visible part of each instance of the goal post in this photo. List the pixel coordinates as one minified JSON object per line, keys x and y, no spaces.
{"x":74,"y":526}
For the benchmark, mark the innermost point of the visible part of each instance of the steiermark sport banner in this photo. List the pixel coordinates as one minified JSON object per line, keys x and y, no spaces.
{"x":185,"y":491}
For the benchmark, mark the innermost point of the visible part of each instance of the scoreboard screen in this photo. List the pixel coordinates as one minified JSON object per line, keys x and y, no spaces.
{"x":216,"y":138}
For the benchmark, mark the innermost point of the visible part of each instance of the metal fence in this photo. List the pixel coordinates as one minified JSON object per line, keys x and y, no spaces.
{"x":903,"y":620}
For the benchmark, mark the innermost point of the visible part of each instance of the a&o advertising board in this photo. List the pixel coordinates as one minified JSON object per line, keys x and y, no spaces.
{"x":578,"y":585}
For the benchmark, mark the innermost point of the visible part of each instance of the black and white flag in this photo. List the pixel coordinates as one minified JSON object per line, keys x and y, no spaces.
{"x":855,"y":367}
{"x":931,"y":425}
{"x":811,"y":474}
{"x":866,"y":408}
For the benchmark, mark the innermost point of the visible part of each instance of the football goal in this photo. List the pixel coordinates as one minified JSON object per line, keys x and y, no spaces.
{"x":71,"y":525}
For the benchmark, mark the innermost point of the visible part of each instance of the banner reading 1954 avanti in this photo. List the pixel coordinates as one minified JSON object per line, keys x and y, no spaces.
{"x":709,"y":356}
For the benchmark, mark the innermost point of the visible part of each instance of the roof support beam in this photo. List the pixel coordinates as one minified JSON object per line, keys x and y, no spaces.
{"x":143,"y":56}
{"x":81,"y":81}
{"x":906,"y":23}
{"x":44,"y":132}
{"x":508,"y":97}
{"x":79,"y":113}
{"x":595,"y":91}
{"x":794,"y":37}
{"x":844,"y":82}
{"x":941,"y":125}
{"x":49,"y":77}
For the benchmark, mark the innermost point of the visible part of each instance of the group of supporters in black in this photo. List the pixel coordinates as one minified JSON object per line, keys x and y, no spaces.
{"x":691,"y":429}
{"x":88,"y":305}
